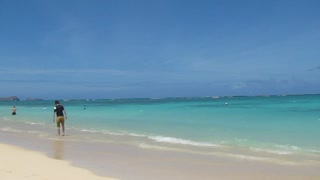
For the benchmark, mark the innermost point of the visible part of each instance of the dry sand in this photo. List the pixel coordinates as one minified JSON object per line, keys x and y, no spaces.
{"x":17,"y":163}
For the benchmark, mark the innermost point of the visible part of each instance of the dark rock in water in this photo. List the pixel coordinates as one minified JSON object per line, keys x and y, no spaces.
{"x":12,"y":98}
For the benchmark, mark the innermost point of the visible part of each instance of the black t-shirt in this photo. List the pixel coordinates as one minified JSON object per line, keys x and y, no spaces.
{"x":59,"y":110}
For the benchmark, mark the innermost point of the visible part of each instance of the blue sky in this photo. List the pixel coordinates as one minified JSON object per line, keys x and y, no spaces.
{"x":158,"y":48}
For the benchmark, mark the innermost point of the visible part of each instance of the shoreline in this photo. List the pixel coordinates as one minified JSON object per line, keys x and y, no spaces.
{"x":130,"y":162}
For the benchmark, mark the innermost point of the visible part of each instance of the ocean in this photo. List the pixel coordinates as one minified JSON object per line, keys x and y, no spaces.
{"x":279,"y":129}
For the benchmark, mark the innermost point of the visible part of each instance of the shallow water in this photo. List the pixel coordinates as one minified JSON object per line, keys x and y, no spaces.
{"x":280,"y":129}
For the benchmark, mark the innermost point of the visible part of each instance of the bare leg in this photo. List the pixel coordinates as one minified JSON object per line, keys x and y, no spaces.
{"x":62,"y":129}
{"x":58,"y":128}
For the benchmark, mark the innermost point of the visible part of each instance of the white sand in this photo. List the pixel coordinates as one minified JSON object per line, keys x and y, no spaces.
{"x":17,"y":163}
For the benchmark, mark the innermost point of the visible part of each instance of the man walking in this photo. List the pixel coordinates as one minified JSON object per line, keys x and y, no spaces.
{"x":59,"y":116}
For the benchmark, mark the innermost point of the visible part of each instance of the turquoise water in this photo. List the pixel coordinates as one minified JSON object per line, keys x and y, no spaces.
{"x":279,"y":125}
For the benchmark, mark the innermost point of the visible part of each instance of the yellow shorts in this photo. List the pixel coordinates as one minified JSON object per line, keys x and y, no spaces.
{"x":60,"y":120}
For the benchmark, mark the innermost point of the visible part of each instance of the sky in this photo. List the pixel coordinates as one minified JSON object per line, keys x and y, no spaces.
{"x":75,"y":49}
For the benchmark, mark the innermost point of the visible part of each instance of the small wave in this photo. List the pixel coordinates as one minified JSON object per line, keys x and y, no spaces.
{"x":262,"y":159}
{"x":313,"y":151}
{"x":113,"y":133}
{"x":7,"y":129}
{"x":271,"y":151}
{"x":7,"y":119}
{"x":181,"y":141}
{"x":147,"y":146}
{"x":288,"y":147}
{"x":102,"y":132}
{"x":119,"y":133}
{"x":136,"y":135}
{"x":88,"y":130}
{"x":248,"y":157}
{"x":33,"y":123}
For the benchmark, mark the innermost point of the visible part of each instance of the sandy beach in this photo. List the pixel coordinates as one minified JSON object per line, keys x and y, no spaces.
{"x":18,"y":163}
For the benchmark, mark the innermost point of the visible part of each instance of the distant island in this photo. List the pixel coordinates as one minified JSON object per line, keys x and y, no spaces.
{"x":12,"y":98}
{"x":15,"y":98}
